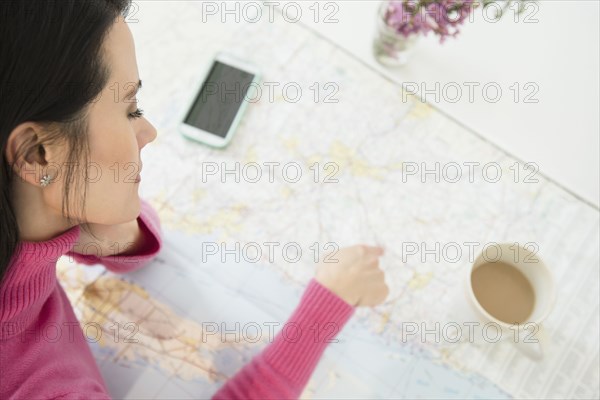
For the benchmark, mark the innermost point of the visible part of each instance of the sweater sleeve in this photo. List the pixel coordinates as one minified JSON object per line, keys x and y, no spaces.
{"x":283,"y":367}
{"x":149,"y":224}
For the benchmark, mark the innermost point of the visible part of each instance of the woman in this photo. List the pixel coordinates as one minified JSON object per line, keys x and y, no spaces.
{"x":70,"y":133}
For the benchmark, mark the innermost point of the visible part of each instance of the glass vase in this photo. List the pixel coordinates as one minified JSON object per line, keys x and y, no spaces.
{"x":391,"y":48}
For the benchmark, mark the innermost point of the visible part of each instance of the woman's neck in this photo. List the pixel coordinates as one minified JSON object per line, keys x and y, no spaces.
{"x":37,"y":221}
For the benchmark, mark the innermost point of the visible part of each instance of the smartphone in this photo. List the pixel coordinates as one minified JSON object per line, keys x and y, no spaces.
{"x":219,"y":100}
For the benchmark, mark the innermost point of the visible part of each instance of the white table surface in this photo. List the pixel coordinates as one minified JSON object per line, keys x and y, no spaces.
{"x":559,"y":53}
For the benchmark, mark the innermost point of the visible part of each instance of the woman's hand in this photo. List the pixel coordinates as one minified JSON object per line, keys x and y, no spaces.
{"x":122,"y":239}
{"x":356,"y":276}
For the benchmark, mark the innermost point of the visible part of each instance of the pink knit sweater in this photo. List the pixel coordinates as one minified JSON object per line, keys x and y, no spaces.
{"x":44,"y":354}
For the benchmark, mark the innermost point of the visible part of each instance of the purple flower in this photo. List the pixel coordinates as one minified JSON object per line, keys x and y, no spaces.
{"x":442,"y":17}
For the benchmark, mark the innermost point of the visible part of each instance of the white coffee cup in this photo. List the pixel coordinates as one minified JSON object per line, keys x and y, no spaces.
{"x":529,"y":337}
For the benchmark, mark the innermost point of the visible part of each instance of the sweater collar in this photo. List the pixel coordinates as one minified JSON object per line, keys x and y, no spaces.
{"x":37,"y":253}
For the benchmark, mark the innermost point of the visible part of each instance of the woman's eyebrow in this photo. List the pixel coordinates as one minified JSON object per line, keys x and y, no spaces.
{"x":133,"y":91}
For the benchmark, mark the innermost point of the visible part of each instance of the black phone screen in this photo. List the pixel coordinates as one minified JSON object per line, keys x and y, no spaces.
{"x":219,"y":99}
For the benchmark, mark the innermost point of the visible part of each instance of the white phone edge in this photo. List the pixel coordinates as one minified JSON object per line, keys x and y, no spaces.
{"x":205,"y":137}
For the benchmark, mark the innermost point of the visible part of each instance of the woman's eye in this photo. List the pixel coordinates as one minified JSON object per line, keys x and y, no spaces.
{"x":136,"y":114}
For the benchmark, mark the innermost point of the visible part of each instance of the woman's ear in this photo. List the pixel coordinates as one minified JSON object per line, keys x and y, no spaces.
{"x":25,"y":153}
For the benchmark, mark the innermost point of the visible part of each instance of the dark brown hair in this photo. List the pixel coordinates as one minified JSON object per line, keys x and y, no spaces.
{"x":51,"y":70}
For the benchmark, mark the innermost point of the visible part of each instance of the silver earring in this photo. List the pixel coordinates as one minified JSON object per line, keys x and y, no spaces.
{"x":45,"y":180}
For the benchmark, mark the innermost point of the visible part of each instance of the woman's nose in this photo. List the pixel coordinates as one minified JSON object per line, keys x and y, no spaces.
{"x":147,"y":133}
